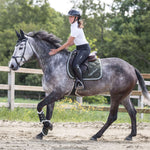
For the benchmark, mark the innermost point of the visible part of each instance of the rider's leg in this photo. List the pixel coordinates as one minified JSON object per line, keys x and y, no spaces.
{"x":78,"y":60}
{"x":79,"y":79}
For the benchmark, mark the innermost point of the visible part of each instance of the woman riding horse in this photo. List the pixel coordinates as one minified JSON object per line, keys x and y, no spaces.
{"x":77,"y":37}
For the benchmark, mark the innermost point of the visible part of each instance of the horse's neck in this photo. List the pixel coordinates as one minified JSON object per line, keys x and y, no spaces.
{"x":55,"y":61}
{"x":50,"y":63}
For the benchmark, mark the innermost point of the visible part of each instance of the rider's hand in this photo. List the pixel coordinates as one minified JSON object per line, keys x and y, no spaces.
{"x":53,"y":52}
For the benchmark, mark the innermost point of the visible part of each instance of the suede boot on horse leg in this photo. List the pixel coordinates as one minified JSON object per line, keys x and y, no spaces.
{"x":49,"y":101}
{"x":46,"y":121}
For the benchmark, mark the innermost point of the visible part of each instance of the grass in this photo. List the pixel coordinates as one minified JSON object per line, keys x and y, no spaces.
{"x":63,"y":115}
{"x":19,"y":100}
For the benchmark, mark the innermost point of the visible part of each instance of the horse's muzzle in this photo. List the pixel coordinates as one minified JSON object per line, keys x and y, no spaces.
{"x":13,"y":66}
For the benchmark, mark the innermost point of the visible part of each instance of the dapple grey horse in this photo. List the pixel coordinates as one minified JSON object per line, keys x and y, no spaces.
{"x":119,"y":78}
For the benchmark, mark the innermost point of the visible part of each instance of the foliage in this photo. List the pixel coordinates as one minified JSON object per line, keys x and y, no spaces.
{"x":123,"y":32}
{"x":37,"y":18}
{"x":29,"y":16}
{"x":95,"y":100}
{"x":131,"y":30}
{"x":33,"y":79}
{"x":18,"y":114}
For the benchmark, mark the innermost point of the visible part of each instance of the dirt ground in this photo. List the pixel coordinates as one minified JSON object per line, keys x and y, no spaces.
{"x":71,"y":136}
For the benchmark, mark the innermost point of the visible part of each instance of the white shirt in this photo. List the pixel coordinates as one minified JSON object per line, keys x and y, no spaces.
{"x":78,"y":34}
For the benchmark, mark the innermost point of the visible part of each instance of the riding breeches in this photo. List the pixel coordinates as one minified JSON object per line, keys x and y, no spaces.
{"x":83,"y":52}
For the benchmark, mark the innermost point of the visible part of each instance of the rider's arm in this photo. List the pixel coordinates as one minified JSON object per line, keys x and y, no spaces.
{"x":67,"y":44}
{"x":70,"y":44}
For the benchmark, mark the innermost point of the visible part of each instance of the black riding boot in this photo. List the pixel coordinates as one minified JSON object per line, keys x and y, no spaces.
{"x":79,"y":81}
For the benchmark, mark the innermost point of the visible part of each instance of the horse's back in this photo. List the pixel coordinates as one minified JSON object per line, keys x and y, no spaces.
{"x":117,"y":76}
{"x":119,"y":73}
{"x":116,"y":65}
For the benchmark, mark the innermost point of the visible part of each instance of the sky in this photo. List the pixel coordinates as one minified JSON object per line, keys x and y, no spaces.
{"x":64,"y":6}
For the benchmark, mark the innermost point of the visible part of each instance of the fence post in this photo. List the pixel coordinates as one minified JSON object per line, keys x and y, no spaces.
{"x":79,"y":100}
{"x":11,"y":91}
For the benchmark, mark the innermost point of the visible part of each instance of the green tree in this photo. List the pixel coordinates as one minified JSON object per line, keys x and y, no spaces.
{"x":95,"y":18}
{"x":131,"y":27}
{"x":24,"y":15}
{"x":29,"y":16}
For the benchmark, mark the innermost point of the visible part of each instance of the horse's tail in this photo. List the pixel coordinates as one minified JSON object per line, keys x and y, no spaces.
{"x":142,"y":85}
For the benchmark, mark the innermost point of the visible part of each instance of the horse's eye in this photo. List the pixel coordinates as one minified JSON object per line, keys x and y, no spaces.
{"x":20,"y":48}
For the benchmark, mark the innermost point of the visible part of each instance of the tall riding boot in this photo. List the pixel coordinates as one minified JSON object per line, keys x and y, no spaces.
{"x":79,"y":81}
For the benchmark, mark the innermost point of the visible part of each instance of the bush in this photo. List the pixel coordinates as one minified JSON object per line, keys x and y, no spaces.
{"x":95,"y":100}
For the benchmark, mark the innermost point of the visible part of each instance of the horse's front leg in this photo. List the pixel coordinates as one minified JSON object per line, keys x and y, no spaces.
{"x":49,"y":101}
{"x":46,"y":123}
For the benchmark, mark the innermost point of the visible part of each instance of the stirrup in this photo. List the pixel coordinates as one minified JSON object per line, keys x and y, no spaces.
{"x":79,"y":85}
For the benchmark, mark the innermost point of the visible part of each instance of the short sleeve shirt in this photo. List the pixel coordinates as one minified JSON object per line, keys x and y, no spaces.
{"x":78,"y":34}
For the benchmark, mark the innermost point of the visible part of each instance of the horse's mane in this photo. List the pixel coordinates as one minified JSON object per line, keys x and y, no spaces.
{"x":43,"y":35}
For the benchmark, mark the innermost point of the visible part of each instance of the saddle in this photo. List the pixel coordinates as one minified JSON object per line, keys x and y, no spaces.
{"x":91,"y":67}
{"x":84,"y":66}
{"x":92,"y":57}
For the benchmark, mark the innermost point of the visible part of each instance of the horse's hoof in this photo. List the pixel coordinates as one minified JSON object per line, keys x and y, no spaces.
{"x":48,"y":125}
{"x":93,"y":138}
{"x":39,"y":136}
{"x":128,"y":138}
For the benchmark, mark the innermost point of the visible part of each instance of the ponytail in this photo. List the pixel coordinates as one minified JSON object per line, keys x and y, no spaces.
{"x":80,"y":24}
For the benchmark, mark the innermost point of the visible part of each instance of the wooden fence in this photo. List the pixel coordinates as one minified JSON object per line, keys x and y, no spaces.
{"x":11,"y":88}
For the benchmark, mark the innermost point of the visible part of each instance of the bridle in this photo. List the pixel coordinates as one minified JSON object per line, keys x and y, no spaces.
{"x":23,"y":59}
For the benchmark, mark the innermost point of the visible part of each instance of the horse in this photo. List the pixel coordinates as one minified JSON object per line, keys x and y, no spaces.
{"x":119,"y":78}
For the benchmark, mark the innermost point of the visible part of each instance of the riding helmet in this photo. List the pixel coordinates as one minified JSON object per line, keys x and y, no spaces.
{"x":75,"y":13}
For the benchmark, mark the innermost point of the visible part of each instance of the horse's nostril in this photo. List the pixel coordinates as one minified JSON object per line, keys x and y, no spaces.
{"x":11,"y":66}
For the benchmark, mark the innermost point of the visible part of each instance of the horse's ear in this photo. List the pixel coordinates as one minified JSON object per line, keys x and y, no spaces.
{"x":18,"y":35}
{"x":22,"y":34}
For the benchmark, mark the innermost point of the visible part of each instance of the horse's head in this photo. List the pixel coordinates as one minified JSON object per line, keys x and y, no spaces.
{"x":22,"y":53}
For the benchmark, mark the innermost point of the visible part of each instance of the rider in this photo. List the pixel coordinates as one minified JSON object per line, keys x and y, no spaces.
{"x":77,"y":37}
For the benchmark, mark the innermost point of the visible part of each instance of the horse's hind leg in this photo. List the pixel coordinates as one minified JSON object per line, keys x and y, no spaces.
{"x":132,"y":113}
{"x":111,"y":118}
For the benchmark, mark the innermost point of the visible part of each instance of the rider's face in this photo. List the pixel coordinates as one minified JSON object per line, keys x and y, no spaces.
{"x":71,"y":19}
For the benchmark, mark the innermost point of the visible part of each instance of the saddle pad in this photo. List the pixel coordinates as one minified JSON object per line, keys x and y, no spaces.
{"x":93,"y":71}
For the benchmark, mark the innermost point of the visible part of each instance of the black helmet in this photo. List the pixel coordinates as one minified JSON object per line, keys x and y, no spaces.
{"x":75,"y":13}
